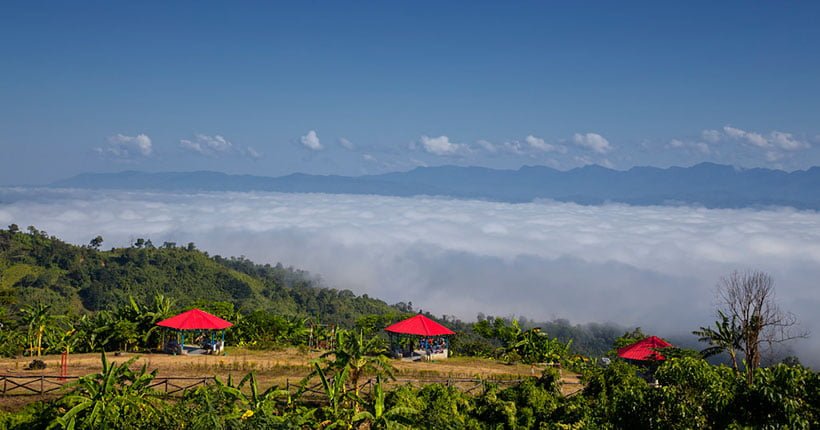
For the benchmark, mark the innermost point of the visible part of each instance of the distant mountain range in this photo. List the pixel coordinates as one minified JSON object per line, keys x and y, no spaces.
{"x":706,"y":184}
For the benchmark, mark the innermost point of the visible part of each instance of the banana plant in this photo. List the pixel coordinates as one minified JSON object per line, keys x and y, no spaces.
{"x":379,"y":416}
{"x":727,"y":335}
{"x":38,"y":318}
{"x":261,"y":402}
{"x":338,"y":413}
{"x":358,"y":356}
{"x":115,"y":397}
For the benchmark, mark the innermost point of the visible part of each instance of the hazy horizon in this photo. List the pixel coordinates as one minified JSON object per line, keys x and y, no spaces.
{"x":523,"y":166}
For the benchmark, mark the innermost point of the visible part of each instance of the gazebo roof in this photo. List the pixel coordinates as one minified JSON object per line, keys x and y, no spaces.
{"x":644,"y":350}
{"x":419,"y":325}
{"x":195,"y":319}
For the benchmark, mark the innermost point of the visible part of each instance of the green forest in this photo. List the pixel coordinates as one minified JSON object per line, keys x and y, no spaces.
{"x":57,"y":297}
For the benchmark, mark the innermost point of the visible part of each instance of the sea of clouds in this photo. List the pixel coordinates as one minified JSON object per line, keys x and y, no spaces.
{"x":654,"y":267}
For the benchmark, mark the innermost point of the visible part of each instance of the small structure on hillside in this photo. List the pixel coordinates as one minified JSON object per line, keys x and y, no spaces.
{"x":201,"y":326}
{"x":418,"y":338}
{"x":645,"y":350}
{"x":645,"y":354}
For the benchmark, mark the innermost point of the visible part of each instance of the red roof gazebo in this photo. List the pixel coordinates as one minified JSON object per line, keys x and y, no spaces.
{"x":419,"y":325}
{"x":434,"y":337}
{"x":196,"y":319}
{"x":645,"y":350}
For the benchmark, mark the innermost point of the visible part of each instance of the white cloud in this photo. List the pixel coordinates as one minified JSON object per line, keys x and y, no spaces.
{"x":775,"y":140}
{"x":592,"y":141}
{"x":514,"y":147}
{"x":755,"y":139}
{"x":786,"y":141}
{"x":541,"y":145}
{"x":441,"y":146}
{"x":311,"y":141}
{"x":585,"y":160}
{"x":712,"y":136}
{"x":250,"y":152}
{"x":586,"y":263}
{"x":773,"y":156}
{"x":370,"y":158}
{"x":125,"y":147}
{"x":346,"y":144}
{"x":487,"y":146}
{"x":207,"y":145}
{"x":700,"y":147}
{"x":217,"y":145}
{"x":531,"y":146}
{"x":606,"y":163}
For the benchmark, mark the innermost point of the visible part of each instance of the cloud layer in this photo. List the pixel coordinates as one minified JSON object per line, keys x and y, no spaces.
{"x":650,"y":266}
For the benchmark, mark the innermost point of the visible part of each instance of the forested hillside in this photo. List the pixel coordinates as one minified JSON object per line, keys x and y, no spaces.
{"x":42,"y":276}
{"x":36,"y":267}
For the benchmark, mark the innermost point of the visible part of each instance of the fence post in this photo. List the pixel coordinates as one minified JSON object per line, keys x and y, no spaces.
{"x":42,"y":381}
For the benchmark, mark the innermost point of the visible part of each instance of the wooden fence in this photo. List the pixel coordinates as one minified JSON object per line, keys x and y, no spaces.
{"x":18,"y":385}
{"x":44,"y":384}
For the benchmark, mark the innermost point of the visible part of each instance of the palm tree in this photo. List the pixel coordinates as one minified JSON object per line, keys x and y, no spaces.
{"x":726,"y":336}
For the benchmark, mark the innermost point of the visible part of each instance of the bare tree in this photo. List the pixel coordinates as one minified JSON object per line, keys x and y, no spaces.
{"x":749,"y":298}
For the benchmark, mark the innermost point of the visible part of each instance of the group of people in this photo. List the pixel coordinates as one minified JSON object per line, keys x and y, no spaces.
{"x":210,"y":346}
{"x":432,"y":345}
{"x":423,"y":348}
{"x":213,"y":346}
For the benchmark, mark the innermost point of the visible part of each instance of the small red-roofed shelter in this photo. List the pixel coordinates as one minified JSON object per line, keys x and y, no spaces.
{"x":429,"y":338}
{"x":198,"y":321}
{"x":419,"y":325}
{"x":195,"y":319}
{"x":645,"y":350}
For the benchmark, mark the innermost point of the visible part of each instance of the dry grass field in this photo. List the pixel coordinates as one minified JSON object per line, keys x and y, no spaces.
{"x":283,"y":367}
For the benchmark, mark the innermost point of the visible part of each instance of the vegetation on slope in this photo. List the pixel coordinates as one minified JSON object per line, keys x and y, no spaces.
{"x":37,"y":268}
{"x":117,"y":295}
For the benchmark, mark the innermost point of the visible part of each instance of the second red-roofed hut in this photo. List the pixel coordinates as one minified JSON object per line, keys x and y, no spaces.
{"x":419,"y":337}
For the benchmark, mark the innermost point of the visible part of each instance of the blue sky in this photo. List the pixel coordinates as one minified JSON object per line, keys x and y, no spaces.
{"x":352,"y":88}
